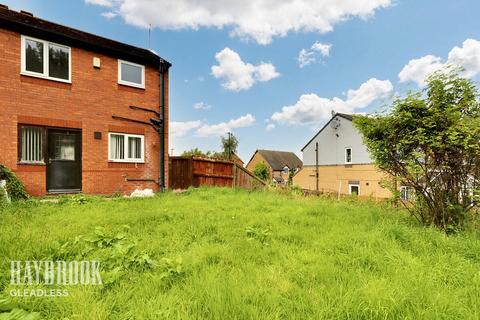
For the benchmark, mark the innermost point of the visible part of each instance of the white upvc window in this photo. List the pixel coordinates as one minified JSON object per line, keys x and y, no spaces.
{"x":32,"y":144}
{"x":406,"y":193}
{"x":131,"y":74}
{"x":124,"y":147}
{"x":354,"y":188}
{"x":44,"y":59}
{"x":348,"y":155}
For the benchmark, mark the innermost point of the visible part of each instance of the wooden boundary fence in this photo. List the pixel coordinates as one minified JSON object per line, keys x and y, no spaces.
{"x":191,"y":171}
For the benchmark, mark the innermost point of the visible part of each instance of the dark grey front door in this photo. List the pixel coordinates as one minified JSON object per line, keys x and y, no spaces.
{"x":64,"y":161}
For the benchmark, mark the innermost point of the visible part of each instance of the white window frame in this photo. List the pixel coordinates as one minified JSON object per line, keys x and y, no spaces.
{"x":351,"y":155}
{"x":44,"y":75}
{"x":406,"y":188}
{"x":126,"y":136}
{"x":41,"y":147}
{"x":350,"y":185}
{"x":128,"y":83}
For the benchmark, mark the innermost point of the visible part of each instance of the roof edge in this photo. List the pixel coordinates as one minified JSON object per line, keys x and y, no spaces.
{"x":345,"y":116}
{"x":21,"y":22}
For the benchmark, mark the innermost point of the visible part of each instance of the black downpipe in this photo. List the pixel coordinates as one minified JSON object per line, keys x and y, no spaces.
{"x":164,"y":66}
{"x":161,"y":130}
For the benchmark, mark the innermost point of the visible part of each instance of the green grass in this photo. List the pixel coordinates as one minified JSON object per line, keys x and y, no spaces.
{"x":235,"y":254}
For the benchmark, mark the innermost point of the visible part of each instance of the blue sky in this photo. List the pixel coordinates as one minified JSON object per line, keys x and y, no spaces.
{"x":375,"y":45}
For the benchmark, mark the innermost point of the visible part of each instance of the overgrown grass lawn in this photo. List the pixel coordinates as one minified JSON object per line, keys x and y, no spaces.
{"x":233,"y":254}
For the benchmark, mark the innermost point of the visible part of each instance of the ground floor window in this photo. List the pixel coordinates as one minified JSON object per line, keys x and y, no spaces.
{"x":31,"y":144}
{"x":125,"y":147}
{"x":354,"y":188}
{"x":406,"y":193}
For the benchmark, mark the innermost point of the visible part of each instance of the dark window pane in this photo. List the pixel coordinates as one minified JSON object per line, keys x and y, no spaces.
{"x":58,"y":66}
{"x":33,"y":56}
{"x":117,"y":146}
{"x":131,"y":73}
{"x":32,"y":144}
{"x":64,"y":147}
{"x":354,"y":190}
{"x":134,"y":148}
{"x":348,"y":155}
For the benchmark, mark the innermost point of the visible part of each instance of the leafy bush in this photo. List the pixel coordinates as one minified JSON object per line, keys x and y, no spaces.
{"x":15,"y":187}
{"x":261,"y":171}
{"x":429,"y":142}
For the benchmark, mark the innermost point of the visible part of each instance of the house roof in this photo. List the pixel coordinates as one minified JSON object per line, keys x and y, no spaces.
{"x":279,"y":159}
{"x":25,"y":23}
{"x":348,"y":117}
{"x":237,"y":159}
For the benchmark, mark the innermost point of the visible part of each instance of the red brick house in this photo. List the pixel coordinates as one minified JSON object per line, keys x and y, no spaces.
{"x":78,"y":112}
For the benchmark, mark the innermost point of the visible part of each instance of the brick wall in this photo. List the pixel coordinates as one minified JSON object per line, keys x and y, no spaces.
{"x":88,"y":103}
{"x":335,"y":178}
{"x":257,"y":158}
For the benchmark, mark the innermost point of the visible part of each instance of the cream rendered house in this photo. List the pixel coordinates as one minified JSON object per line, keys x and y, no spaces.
{"x":336,"y":161}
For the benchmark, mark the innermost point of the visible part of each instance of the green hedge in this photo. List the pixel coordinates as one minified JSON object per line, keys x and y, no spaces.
{"x":15,"y":187}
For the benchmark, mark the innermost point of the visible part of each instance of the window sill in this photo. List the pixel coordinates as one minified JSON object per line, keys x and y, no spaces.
{"x":131,"y":85}
{"x":20,"y":163}
{"x":127,"y":161}
{"x":33,"y":75}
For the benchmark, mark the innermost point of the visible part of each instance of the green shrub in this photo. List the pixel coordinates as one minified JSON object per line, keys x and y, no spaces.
{"x":261,"y":171}
{"x":15,"y":187}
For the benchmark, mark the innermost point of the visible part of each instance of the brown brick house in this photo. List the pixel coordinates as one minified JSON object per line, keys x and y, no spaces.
{"x":279,"y":163}
{"x":76,"y":109}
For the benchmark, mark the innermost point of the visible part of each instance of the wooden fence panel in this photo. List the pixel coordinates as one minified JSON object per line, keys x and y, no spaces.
{"x":181,"y":172}
{"x":245,"y":179}
{"x":196,"y":172}
{"x":207,"y":172}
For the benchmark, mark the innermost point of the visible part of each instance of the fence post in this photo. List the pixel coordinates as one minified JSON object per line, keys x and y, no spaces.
{"x":234,"y":172}
{"x":190,"y":169}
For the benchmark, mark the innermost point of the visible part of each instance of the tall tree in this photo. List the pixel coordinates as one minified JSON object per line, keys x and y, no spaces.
{"x":430,"y":141}
{"x":229,"y":145}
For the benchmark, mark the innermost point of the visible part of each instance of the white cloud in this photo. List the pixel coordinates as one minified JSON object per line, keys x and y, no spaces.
{"x":201,"y":106}
{"x":109,"y":15}
{"x":224,"y":127}
{"x":323,"y":48}
{"x":467,"y":57}
{"x":270,"y":127}
{"x":310,"y":108}
{"x":260,"y":20}
{"x":368,"y":92}
{"x":103,"y":3}
{"x":417,"y":70}
{"x":238,"y":75}
{"x":179,"y":129}
{"x":306,"y":57}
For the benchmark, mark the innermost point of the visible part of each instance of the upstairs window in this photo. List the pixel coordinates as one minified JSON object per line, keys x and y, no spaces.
{"x":131,"y":74}
{"x":31,"y":144}
{"x":44,"y":59}
{"x":348,"y":155}
{"x":125,"y":147}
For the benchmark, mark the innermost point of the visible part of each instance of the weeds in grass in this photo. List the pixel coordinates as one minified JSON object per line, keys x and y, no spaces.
{"x":196,"y":256}
{"x":13,"y":311}
{"x":263,"y":235}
